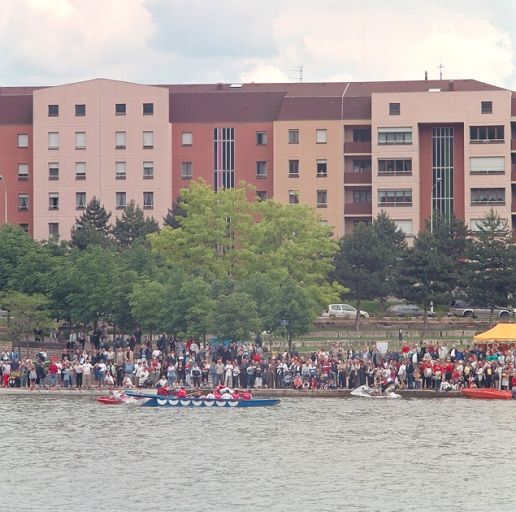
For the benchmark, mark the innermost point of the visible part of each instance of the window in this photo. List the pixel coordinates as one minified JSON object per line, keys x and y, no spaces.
{"x":23,"y":172}
{"x":487,"y":165}
{"x":361,"y":165}
{"x":53,"y":111}
{"x":80,"y":140}
{"x":120,"y":140}
{"x":148,"y":109}
{"x":394,"y":135}
{"x":121,"y":200}
{"x":322,"y":168}
{"x":148,"y":200}
{"x":487,"y":196}
{"x":80,"y":200}
{"x":53,"y":201}
{"x":293,"y":197}
{"x":186,"y":139}
{"x":148,"y":170}
{"x":120,"y":170}
{"x":120,"y":109}
{"x":322,"y":199}
{"x":80,"y":110}
{"x":261,"y":138}
{"x":321,"y":136}
{"x":401,"y":167}
{"x":53,"y":140}
{"x":261,"y":169}
{"x":53,"y":229}
{"x":293,"y":136}
{"x":486,"y":134}
{"x":23,"y":140}
{"x":486,"y":107}
{"x":405,"y":226}
{"x":80,"y":170}
{"x":53,"y":171}
{"x":361,"y":134}
{"x":186,"y":170}
{"x":25,"y":227}
{"x":293,"y":168}
{"x":395,"y":198}
{"x":148,"y":140}
{"x":23,"y":202}
{"x":394,"y":109}
{"x":361,"y":196}
{"x":261,"y":195}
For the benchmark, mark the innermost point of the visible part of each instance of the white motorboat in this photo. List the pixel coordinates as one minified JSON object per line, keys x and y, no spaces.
{"x":367,"y":392}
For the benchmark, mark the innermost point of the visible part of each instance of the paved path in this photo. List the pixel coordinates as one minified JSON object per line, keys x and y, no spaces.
{"x":280,"y":393}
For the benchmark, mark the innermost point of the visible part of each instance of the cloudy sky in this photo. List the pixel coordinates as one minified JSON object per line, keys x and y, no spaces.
{"x":48,"y":42}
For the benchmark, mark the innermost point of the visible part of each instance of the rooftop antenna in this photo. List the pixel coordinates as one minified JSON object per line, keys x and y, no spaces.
{"x":298,"y":73}
{"x":440,"y":67}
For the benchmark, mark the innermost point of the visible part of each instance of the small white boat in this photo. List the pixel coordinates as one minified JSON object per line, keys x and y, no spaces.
{"x":367,"y":392}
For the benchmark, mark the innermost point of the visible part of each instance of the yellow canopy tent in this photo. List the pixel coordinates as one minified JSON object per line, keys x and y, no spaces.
{"x":500,"y":332}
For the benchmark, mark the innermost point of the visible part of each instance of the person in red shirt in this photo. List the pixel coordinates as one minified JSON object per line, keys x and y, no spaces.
{"x":216,"y":394}
{"x":236,"y":395}
{"x":52,"y":374}
{"x":246,"y":395}
{"x":181,"y":393}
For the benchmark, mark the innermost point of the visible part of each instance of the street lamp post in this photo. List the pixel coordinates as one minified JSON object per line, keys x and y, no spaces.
{"x":437,"y":180}
{"x":5,"y":198}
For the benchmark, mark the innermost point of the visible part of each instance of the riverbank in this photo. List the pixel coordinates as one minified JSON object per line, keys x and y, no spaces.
{"x":258,"y":393}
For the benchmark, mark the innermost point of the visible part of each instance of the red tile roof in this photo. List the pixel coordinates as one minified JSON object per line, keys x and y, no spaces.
{"x":241,"y":107}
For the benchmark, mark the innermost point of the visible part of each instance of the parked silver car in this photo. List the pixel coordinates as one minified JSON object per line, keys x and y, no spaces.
{"x":406,"y":310}
{"x":344,"y":311}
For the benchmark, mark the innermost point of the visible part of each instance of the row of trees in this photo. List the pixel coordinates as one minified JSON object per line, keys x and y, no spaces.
{"x":229,"y":267}
{"x":445,"y":262}
{"x":233,"y":268}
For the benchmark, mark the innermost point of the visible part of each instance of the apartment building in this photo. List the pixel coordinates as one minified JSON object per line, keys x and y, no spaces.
{"x":350,"y":150}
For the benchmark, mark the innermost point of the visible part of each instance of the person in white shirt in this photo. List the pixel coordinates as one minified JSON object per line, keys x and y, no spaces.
{"x":87,"y":368}
{"x":228,"y":379}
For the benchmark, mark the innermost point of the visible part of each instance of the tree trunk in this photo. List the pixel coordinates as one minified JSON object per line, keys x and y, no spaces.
{"x":425,"y":319}
{"x":357,"y":316}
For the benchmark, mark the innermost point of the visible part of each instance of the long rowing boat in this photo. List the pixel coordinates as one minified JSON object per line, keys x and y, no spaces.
{"x":153,"y":400}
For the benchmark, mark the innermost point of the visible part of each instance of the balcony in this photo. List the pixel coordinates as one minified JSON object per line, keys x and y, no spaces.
{"x":357,"y":147}
{"x":358,"y":209}
{"x":357,"y":178}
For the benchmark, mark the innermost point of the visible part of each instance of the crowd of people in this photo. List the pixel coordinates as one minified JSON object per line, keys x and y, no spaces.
{"x":136,"y":361}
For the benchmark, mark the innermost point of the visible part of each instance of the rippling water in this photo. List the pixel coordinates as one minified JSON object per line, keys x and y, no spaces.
{"x":302,"y":455}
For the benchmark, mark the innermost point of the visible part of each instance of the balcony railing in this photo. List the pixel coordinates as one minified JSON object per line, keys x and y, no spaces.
{"x":357,"y":147}
{"x":353,"y":178}
{"x":358,"y":209}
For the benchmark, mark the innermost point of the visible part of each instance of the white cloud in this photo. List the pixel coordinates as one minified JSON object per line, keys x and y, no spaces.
{"x":159,"y":41}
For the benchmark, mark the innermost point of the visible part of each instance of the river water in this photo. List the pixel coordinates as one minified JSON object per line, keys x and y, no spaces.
{"x":303,"y":455}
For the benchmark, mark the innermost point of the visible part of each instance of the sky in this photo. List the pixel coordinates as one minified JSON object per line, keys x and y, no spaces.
{"x":49,"y":42}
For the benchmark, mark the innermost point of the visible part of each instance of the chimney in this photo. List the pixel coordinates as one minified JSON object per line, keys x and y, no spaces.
{"x":426,"y":76}
{"x":451,"y":85}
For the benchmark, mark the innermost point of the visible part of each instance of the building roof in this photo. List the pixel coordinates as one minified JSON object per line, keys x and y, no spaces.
{"x":334,"y":89}
{"x":250,"y":107}
{"x":16,"y":109}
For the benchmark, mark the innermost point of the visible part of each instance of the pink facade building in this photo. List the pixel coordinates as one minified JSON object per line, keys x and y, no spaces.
{"x":350,"y":150}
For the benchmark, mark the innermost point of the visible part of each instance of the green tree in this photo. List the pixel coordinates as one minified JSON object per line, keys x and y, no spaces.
{"x":15,"y":245}
{"x":176,"y":213}
{"x":491,"y":263}
{"x":236,"y":317}
{"x":425,"y":273}
{"x":149,"y":305}
{"x":92,"y":227}
{"x":28,"y":313}
{"x":133,"y":225}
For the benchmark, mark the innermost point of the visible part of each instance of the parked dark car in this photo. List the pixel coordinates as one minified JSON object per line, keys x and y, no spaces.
{"x":406,"y":310}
